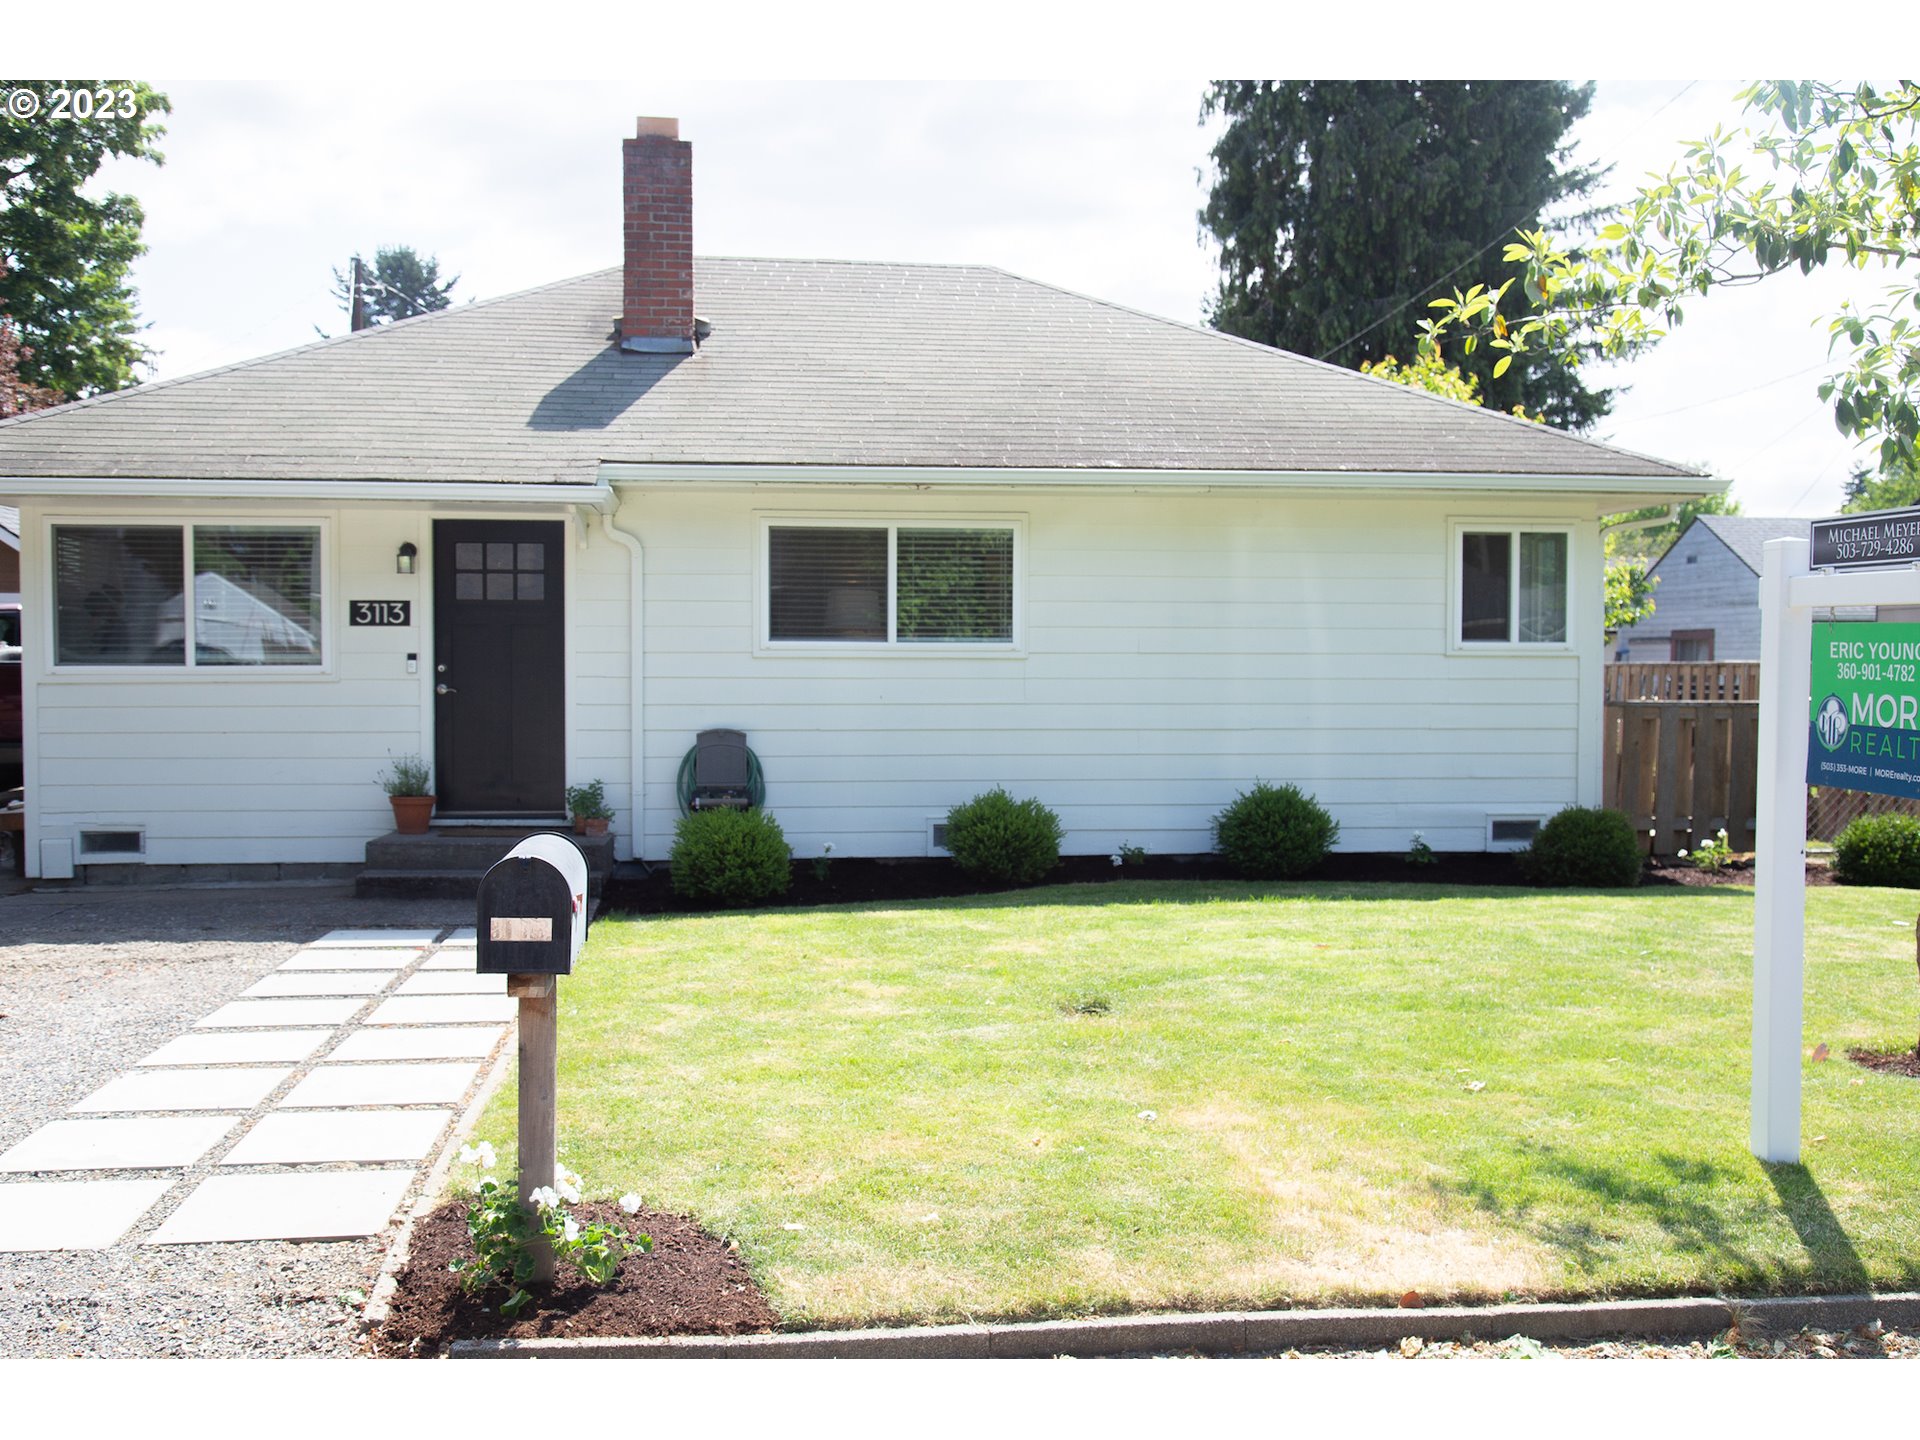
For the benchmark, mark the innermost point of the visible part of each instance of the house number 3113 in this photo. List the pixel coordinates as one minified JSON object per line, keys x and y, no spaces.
{"x":379,"y":612}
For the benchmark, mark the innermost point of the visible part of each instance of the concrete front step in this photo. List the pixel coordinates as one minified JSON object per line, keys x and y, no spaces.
{"x":448,"y":864}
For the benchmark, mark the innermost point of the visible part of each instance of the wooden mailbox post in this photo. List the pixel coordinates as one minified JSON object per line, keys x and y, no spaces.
{"x":532,"y":922}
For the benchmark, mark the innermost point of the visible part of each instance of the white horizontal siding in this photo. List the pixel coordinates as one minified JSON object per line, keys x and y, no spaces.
{"x":1174,"y":649}
{"x":242,"y":767}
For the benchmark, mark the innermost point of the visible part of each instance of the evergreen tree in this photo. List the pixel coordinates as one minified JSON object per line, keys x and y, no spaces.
{"x":1894,"y":487}
{"x":1339,"y":206}
{"x":398,"y":285}
{"x":67,"y":253}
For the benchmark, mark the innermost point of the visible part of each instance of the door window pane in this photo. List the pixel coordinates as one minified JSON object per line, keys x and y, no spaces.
{"x":827,"y":584}
{"x":118,"y":595}
{"x":256,"y":596}
{"x":1486,"y":586}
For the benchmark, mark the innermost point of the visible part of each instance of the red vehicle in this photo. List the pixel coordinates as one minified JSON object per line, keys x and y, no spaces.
{"x":9,"y":693}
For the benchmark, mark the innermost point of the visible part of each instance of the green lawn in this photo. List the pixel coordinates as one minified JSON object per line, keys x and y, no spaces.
{"x":1296,"y":1093}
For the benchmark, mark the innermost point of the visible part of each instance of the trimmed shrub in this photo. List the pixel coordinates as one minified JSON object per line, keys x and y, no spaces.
{"x":1274,"y":832}
{"x":730,"y":857}
{"x":996,"y":837}
{"x":1584,"y":847}
{"x":1879,"y":850}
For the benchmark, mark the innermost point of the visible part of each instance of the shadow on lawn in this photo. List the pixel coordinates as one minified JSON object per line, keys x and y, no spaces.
{"x":1163,"y":892}
{"x":1693,"y":1226}
{"x":1817,"y":1226}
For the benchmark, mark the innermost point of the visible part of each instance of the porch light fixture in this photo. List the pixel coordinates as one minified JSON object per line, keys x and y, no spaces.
{"x":403,"y":562}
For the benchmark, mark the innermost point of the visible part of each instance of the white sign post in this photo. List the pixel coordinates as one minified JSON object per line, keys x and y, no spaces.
{"x":1790,"y":591}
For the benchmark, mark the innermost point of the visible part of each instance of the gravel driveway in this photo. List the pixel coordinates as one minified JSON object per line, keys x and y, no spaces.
{"x":90,"y":983}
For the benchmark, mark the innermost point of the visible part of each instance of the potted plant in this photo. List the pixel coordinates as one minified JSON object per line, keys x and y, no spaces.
{"x":409,"y":786}
{"x":588,"y":805}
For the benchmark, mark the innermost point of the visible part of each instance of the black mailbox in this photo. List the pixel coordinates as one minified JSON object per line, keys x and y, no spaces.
{"x":533,"y":909}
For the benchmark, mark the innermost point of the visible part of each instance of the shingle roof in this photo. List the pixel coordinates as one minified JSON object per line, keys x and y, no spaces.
{"x":809,"y":363}
{"x":1745,"y":534}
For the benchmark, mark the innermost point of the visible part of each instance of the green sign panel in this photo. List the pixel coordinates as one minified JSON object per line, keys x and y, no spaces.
{"x":1865,"y":711}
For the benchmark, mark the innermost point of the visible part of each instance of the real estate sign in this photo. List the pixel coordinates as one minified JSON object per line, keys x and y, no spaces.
{"x":1865,"y":709}
{"x":1866,"y":542}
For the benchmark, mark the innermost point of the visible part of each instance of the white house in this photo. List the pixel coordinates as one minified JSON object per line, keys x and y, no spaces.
{"x":917,"y":530}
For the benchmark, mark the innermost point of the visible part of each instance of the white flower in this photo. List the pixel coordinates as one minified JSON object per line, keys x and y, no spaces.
{"x":1723,"y":832}
{"x":1147,"y":1115}
{"x":482,"y":1154}
{"x":571,"y":1231}
{"x":630,"y":1203}
{"x":1115,"y":859}
{"x":545,"y":1198}
{"x":1681,"y":853}
{"x":568,"y":1189}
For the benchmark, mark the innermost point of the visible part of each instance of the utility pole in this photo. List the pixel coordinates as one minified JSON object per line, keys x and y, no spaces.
{"x":356,"y":300}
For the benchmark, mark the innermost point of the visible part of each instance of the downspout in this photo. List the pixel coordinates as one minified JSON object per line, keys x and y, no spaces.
{"x":1673,"y":514}
{"x":636,"y":680}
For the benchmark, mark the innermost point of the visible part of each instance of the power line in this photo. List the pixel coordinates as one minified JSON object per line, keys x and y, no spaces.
{"x":1499,"y":239}
{"x":1734,"y":394}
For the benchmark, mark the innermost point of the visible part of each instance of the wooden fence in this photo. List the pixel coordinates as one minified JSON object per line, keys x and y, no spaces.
{"x":1709,"y":681}
{"x":1681,"y":772}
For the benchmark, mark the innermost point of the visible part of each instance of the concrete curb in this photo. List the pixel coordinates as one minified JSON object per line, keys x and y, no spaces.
{"x":1238,"y":1331}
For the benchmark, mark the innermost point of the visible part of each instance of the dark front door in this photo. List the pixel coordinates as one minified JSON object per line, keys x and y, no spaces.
{"x":499,"y":650}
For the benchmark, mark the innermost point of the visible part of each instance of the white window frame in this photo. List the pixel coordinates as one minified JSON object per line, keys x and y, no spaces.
{"x":892,"y":523}
{"x":50,"y":668}
{"x":1457,"y":578}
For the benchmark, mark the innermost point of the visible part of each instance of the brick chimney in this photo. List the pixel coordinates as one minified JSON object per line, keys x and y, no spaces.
{"x":656,"y":314}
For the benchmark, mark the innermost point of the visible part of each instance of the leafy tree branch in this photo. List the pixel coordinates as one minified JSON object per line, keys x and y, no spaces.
{"x":1826,"y":175}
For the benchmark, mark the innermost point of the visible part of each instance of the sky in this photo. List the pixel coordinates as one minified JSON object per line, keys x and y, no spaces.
{"x":1092,"y":185}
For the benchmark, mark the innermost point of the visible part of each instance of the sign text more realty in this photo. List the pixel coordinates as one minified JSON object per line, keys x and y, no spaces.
{"x":1865,"y":709}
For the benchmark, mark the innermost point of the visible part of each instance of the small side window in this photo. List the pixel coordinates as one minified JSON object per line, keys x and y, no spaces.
{"x":1513,"y":586}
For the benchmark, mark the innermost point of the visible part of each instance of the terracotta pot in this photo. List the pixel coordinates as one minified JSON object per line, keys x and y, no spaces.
{"x":411,"y":813}
{"x":582,"y":825}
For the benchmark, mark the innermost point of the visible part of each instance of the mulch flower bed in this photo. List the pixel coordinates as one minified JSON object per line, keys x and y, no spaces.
{"x":1894,"y":1062}
{"x":1738,"y":871}
{"x":690,"y":1283}
{"x":851,"y":882}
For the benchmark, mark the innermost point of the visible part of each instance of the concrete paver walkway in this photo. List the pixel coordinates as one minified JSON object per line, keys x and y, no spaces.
{"x":283,"y":1083}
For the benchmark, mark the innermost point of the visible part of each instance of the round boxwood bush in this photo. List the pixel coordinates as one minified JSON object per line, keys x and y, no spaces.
{"x":1274,"y":832}
{"x":1879,"y":850}
{"x":730,"y":857}
{"x":1585,"y":847}
{"x":997,"y":838}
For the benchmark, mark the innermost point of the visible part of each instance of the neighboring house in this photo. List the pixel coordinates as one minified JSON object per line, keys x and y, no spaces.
{"x":918,"y":530}
{"x":1707,"y":604}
